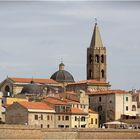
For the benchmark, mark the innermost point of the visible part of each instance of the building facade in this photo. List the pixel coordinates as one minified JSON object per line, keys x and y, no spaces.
{"x":87,"y":85}
{"x":30,"y":113}
{"x":65,"y":111}
{"x":113,"y":105}
{"x":93,"y":119}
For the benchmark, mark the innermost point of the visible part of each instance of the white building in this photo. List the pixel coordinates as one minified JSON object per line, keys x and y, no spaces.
{"x":113,"y":105}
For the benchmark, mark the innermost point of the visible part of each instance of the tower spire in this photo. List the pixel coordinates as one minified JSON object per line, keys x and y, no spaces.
{"x":96,"y":40}
{"x":95,"y":20}
{"x":96,"y":57}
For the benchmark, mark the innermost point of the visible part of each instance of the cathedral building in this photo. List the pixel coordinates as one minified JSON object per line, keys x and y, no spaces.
{"x":63,"y":80}
{"x":96,"y":66}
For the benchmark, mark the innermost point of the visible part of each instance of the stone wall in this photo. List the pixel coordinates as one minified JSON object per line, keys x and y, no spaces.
{"x":16,"y":114}
{"x":19,"y":132}
{"x":28,"y":132}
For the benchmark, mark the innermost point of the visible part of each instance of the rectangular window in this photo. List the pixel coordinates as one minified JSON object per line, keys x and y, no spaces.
{"x":100,"y":99}
{"x":36,"y":117}
{"x":61,"y":126}
{"x":126,"y":108}
{"x":83,"y":119}
{"x":75,"y":118}
{"x":41,"y":117}
{"x":77,"y":105}
{"x":48,"y":117}
{"x":67,"y":126}
{"x":100,"y":117}
{"x":91,"y":120}
{"x":59,"y":118}
{"x":95,"y":121}
{"x":51,"y":117}
{"x":41,"y":125}
{"x":126,"y":98}
{"x":82,"y":126}
{"x":67,"y":118}
{"x":63,"y":118}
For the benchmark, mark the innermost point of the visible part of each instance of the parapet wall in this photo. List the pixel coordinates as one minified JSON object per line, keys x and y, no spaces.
{"x":26,"y":132}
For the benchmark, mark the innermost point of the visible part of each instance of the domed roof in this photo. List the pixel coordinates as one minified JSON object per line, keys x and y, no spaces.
{"x":62,"y":75}
{"x":33,"y":88}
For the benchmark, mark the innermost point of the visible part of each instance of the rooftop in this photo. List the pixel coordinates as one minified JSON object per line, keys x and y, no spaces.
{"x":54,"y":101}
{"x":86,"y":82}
{"x":107,"y":92}
{"x":35,"y":105}
{"x":36,"y":80}
{"x":77,"y":111}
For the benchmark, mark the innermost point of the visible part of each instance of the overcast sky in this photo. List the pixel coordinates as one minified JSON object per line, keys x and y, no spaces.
{"x":34,"y":36}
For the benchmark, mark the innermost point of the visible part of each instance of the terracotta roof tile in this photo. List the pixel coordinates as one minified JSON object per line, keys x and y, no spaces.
{"x":86,"y":82}
{"x":74,"y":111}
{"x":36,"y":80}
{"x":55,"y":101}
{"x":35,"y":105}
{"x":107,"y":92}
{"x":77,"y":111}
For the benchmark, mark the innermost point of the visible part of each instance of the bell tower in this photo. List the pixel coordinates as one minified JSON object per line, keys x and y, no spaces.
{"x":96,"y":57}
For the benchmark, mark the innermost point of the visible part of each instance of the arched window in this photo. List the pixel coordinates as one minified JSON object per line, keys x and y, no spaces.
{"x":97,"y":58}
{"x":102,"y":58}
{"x":90,"y":59}
{"x":133,"y":108}
{"x":90,"y":73}
{"x":103,"y":74}
{"x":7,"y":88}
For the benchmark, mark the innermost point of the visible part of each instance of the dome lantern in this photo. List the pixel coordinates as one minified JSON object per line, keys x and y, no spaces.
{"x":62,"y":75}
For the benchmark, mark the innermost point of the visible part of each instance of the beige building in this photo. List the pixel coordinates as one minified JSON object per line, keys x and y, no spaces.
{"x":70,"y":118}
{"x":71,"y":112}
{"x":54,"y":111}
{"x":93,"y":119}
{"x":30,"y":113}
{"x":113,"y":105}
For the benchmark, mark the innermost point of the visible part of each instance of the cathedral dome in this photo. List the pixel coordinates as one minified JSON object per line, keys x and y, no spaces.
{"x":62,"y":75}
{"x":33,"y":88}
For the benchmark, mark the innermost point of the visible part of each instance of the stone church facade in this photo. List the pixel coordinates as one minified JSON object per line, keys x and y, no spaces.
{"x":96,"y":73}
